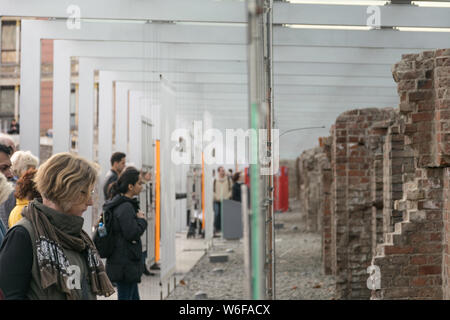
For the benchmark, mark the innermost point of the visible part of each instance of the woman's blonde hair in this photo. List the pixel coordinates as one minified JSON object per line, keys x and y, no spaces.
{"x":22,"y":161}
{"x":66,"y":179}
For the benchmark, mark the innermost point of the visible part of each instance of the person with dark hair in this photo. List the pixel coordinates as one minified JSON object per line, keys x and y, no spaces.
{"x":14,"y":128}
{"x":25,"y":192}
{"x":237,"y":182}
{"x":5,"y":190}
{"x":117,"y":165}
{"x":5,"y":206}
{"x":124,"y":267}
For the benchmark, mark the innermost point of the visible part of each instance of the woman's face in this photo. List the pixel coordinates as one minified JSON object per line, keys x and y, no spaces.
{"x":137,"y":187}
{"x":79,"y":208}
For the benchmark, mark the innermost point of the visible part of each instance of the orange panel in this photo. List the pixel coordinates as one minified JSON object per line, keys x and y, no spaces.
{"x":203,"y":191}
{"x":158,"y":202}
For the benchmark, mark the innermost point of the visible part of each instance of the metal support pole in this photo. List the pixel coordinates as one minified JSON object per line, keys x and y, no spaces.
{"x":255,"y":10}
{"x":246,"y":240}
{"x":268,"y":85}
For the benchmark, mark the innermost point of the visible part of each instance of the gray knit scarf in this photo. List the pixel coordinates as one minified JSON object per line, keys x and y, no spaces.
{"x":51,"y":239}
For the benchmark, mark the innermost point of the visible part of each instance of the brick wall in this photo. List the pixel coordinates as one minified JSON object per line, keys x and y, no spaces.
{"x":326,"y":203}
{"x":413,"y":261}
{"x":310,"y":187}
{"x":376,"y":135}
{"x":352,"y":162}
{"x":384,"y":197}
{"x":315,"y":178}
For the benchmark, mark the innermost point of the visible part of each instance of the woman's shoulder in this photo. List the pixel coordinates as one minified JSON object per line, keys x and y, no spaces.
{"x":125,"y":206}
{"x":19,"y":236}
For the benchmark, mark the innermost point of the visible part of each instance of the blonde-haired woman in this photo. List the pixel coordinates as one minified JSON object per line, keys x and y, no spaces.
{"x":47,"y":255}
{"x":22,"y":161}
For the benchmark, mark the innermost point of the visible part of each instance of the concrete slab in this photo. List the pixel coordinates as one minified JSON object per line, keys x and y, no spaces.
{"x":218,"y":257}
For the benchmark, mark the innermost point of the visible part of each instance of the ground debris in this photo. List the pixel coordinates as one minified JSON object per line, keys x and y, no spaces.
{"x":298,"y":266}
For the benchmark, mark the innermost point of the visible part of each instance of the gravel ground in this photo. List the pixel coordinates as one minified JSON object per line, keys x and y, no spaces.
{"x":298,"y":267}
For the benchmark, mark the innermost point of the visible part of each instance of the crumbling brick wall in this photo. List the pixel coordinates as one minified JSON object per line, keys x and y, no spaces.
{"x":326,"y":203}
{"x":389,"y":189}
{"x":413,"y":261}
{"x":315,"y":177}
{"x":376,"y":135}
{"x":310,"y":187}
{"x":352,"y":161}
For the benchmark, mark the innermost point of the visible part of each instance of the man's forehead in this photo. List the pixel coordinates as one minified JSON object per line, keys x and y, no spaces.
{"x":4,"y":159}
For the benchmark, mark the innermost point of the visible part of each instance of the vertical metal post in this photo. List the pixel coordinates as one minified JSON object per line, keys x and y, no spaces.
{"x":255,"y":10}
{"x":268,"y":86}
{"x":246,"y":239}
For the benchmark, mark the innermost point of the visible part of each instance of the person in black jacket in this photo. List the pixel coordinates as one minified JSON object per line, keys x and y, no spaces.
{"x":236,"y":189}
{"x":124,"y":266}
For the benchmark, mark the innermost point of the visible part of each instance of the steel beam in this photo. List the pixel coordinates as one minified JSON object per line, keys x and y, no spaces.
{"x":229,"y":12}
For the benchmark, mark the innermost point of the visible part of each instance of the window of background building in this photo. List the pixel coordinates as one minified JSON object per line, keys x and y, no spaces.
{"x":9,"y":44}
{"x":6,"y":107}
{"x":73,"y":108}
{"x":7,"y":102}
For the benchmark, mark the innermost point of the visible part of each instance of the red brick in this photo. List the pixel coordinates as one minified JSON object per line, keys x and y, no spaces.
{"x":422,"y":116}
{"x":397,"y":250}
{"x":424,"y":270}
{"x":419,"y":281}
{"x":418,"y":260}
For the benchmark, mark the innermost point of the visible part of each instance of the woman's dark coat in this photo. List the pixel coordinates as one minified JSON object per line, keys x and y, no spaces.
{"x":125,"y":264}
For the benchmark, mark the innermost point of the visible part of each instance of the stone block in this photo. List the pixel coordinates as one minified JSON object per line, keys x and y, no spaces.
{"x":218,"y":257}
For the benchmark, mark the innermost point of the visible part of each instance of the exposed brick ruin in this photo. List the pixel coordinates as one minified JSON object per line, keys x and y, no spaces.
{"x":413,"y":260}
{"x":351,"y":161}
{"x":378,"y":188}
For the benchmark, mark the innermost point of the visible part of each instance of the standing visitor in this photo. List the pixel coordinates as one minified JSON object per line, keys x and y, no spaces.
{"x":5,"y":167}
{"x":124,"y":266}
{"x":238,"y":180}
{"x":25,"y":192}
{"x":47,"y":255}
{"x":21,"y":161}
{"x":5,"y":190}
{"x":117,"y":165}
{"x":222,"y":190}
